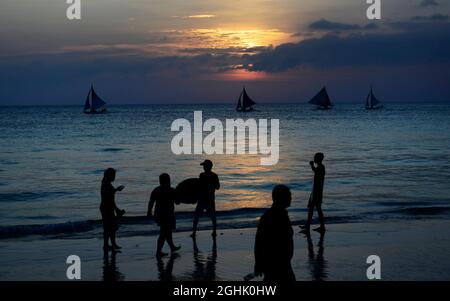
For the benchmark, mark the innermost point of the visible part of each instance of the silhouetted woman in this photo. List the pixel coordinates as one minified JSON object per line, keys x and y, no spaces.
{"x":109,"y":210}
{"x":164,"y":197}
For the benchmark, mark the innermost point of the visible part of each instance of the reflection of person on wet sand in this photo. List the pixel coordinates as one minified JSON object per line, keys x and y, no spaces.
{"x":209,"y":183}
{"x":315,"y":199}
{"x":205,"y":268}
{"x":318,"y":265}
{"x":164,"y":196}
{"x":274,"y":245}
{"x":165,"y":272}
{"x":109,"y":210}
{"x":110,"y":270}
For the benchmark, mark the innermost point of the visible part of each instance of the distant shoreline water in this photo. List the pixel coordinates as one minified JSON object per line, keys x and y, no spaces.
{"x":229,"y":103}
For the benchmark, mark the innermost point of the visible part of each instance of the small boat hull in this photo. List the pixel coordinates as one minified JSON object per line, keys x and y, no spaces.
{"x":374,"y":108}
{"x":95,"y":111}
{"x":245,"y":110}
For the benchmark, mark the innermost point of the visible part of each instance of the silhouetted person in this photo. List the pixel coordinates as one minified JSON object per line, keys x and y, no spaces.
{"x":209,"y":183}
{"x":274,"y":245}
{"x":315,"y":199}
{"x":164,"y":197}
{"x":318,"y":265}
{"x":110,"y":212}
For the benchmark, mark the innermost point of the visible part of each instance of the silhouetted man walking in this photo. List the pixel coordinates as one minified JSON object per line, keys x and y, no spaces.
{"x":274,"y":245}
{"x":164,"y":196}
{"x":209,"y":183}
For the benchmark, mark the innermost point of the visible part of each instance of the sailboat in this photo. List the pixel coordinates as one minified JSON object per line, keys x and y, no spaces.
{"x":245,"y":103}
{"x":94,"y":104}
{"x":322,"y":100}
{"x":372,"y":103}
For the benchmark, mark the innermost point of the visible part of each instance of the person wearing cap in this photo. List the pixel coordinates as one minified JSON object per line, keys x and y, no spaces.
{"x":209,"y":183}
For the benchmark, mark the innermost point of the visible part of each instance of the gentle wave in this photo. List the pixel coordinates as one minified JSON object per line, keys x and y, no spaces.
{"x":30,"y":196}
{"x":88,"y":225}
{"x":46,"y":229}
{"x":231,"y":219}
{"x":416,"y":211}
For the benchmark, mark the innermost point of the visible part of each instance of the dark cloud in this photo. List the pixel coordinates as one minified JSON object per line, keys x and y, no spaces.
{"x":435,"y":17}
{"x":413,"y":57}
{"x":67,"y":66}
{"x":427,"y":3}
{"x":325,"y":25}
{"x":417,"y":43}
{"x":63,"y":78}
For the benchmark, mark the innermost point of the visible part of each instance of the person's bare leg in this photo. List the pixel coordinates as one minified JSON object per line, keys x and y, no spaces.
{"x":310,"y":215}
{"x":214,"y":223}
{"x":113,"y":241}
{"x":197,"y":213}
{"x":169,"y":239}
{"x":105,"y":241}
{"x":194,"y":226}
{"x":160,"y":245}
{"x":321,"y":217}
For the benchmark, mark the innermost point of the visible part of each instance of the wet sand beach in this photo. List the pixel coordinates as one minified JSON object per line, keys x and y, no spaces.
{"x":408,"y":251}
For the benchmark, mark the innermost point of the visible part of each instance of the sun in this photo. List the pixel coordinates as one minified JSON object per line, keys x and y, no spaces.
{"x":240,"y":39}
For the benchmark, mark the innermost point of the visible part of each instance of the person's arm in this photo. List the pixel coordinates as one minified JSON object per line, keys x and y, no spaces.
{"x":259,"y":249}
{"x":116,"y":208}
{"x":311,"y":163}
{"x":114,"y":190}
{"x":289,"y":239}
{"x":120,"y":188}
{"x":217,"y":183}
{"x":151,"y":203}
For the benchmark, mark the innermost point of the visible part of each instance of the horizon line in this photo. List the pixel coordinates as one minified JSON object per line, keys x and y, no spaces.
{"x":223,"y":103}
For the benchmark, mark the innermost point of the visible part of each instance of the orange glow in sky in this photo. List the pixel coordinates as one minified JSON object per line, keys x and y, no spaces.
{"x":243,"y":75}
{"x":245,"y":38}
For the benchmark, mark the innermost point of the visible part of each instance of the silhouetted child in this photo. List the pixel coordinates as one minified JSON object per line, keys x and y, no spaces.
{"x":274,"y":245}
{"x":315,"y":199}
{"x":209,"y":183}
{"x":110,"y":212}
{"x":164,"y":197}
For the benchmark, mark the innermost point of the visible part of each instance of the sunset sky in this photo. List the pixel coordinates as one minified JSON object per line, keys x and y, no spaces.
{"x":201,"y":51}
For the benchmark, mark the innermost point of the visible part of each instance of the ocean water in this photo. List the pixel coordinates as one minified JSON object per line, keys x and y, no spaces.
{"x":381,"y":165}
